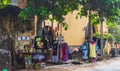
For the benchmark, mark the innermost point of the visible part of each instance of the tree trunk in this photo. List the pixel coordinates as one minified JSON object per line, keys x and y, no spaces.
{"x":39,"y":26}
{"x":89,"y":31}
{"x":101,"y":36}
{"x":13,"y":51}
{"x":89,"y":28}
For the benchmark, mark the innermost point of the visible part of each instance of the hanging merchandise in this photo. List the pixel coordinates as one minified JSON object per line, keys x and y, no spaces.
{"x":92,"y":51}
{"x":55,"y":56}
{"x":48,"y":36}
{"x":64,"y":52}
{"x":97,"y":50}
{"x":61,"y":53}
{"x":84,"y":49}
{"x":38,"y":42}
{"x":38,"y":57}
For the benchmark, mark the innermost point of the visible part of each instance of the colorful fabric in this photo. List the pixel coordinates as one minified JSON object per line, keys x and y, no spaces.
{"x":55,"y":56}
{"x":61,"y":54}
{"x":84,"y":49}
{"x":92,"y":48}
{"x":64,"y":52}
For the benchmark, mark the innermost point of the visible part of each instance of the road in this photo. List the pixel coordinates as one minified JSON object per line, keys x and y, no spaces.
{"x":105,"y":65}
{"x":110,"y":67}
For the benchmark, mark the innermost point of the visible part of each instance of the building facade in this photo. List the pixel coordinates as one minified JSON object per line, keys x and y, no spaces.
{"x":75,"y":35}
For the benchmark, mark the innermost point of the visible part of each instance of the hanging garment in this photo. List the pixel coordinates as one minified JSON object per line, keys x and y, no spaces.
{"x":48,"y":36}
{"x":84,"y":49}
{"x":55,"y":56}
{"x":38,"y":42}
{"x":92,"y":52}
{"x":97,"y":51}
{"x":61,"y":53}
{"x":97,"y":28}
{"x":107,"y":50}
{"x":64,"y":52}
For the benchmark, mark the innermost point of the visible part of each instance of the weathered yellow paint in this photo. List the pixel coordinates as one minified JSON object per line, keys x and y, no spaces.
{"x":75,"y":34}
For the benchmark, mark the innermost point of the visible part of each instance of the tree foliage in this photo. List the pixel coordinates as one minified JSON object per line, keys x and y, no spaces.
{"x":115,"y":31}
{"x":101,"y":9}
{"x":96,"y":10}
{"x":44,"y":8}
{"x":4,"y":3}
{"x":108,"y":36}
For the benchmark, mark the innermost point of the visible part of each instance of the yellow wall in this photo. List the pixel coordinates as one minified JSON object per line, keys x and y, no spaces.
{"x":75,"y":34}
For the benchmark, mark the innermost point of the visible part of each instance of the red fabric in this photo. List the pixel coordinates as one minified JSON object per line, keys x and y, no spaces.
{"x":64,"y":52}
{"x":61,"y":54}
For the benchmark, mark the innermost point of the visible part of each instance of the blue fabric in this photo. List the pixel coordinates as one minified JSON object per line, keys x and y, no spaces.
{"x":97,"y":49}
{"x":84,"y":49}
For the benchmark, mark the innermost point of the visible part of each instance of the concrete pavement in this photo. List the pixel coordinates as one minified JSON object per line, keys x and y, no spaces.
{"x":105,"y":65}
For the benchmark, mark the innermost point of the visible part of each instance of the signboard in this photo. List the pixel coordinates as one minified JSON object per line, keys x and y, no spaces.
{"x":19,"y":38}
{"x":14,"y":2}
{"x":23,"y":38}
{"x":27,"y":38}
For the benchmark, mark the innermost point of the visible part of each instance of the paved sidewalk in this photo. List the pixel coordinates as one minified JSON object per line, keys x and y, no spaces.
{"x":78,"y":67}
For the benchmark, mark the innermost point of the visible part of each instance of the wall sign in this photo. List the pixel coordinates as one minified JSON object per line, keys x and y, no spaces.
{"x":19,"y":38}
{"x":23,"y":38}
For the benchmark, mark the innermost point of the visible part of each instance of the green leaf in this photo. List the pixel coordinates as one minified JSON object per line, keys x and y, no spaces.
{"x":4,"y":3}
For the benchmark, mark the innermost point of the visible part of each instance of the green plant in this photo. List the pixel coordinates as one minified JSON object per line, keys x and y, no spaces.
{"x":95,"y":10}
{"x":4,"y":3}
{"x":108,"y":36}
{"x":36,"y":66}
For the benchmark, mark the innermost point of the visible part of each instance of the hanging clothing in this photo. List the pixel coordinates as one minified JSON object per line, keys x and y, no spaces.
{"x":64,"y":52}
{"x":92,"y":48}
{"x":48,"y":37}
{"x":61,"y":53}
{"x":55,"y":48}
{"x":55,"y":56}
{"x":38,"y":43}
{"x":84,"y":49}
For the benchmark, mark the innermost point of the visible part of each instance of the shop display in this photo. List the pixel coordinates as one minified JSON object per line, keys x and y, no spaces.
{"x":84,"y":49}
{"x":92,"y":51}
{"x":55,"y":56}
{"x":28,"y":60}
{"x":38,"y":57}
{"x":38,"y":42}
{"x":64,"y":52}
